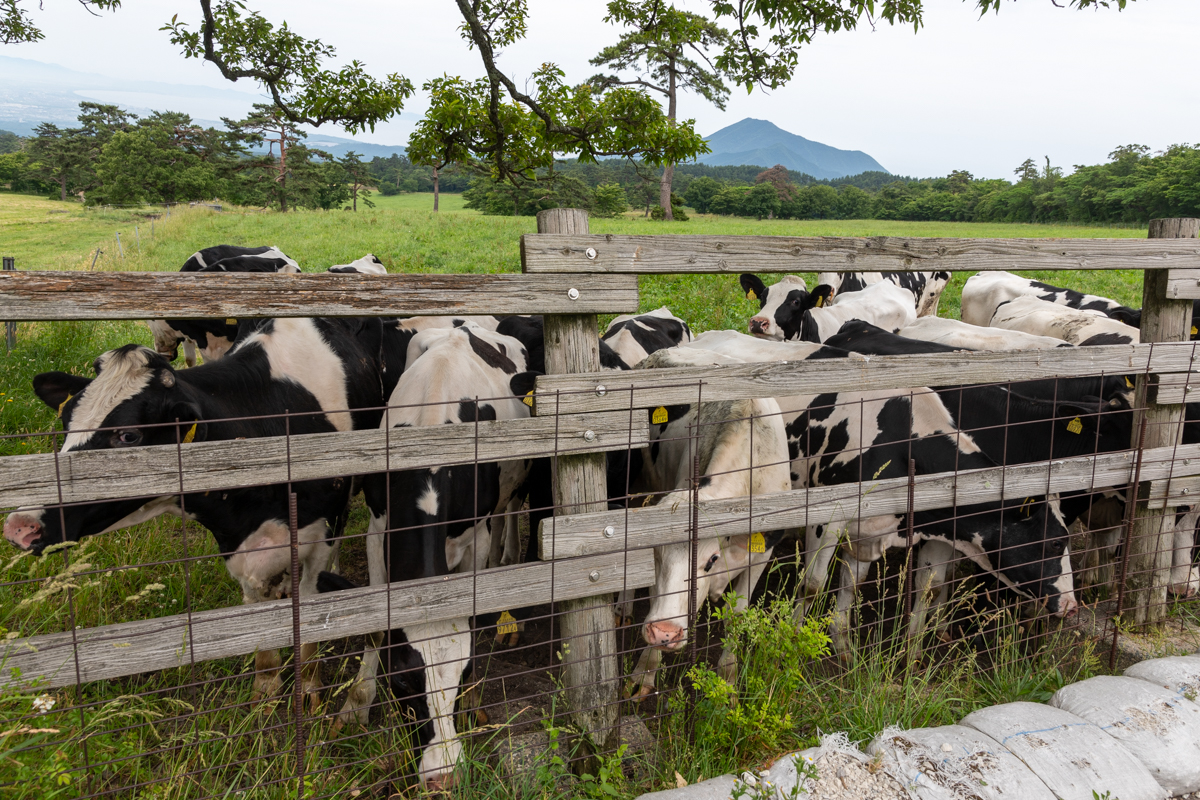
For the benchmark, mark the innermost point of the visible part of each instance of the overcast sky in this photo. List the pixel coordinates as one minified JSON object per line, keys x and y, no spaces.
{"x":962,"y":93}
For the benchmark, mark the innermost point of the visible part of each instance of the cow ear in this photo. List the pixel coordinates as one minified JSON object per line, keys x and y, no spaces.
{"x":753,"y":286}
{"x":808,"y":328}
{"x":56,"y":388}
{"x":192,"y":427}
{"x":1129,"y":316}
{"x":820,"y":296}
{"x":522,"y":385}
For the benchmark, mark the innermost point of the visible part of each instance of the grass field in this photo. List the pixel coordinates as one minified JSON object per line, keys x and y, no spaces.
{"x":40,"y":595}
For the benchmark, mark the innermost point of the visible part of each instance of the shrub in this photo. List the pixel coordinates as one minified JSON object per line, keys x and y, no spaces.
{"x":608,"y":200}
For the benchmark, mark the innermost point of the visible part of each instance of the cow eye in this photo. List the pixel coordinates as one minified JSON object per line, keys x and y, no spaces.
{"x":127,"y":438}
{"x":711,"y":561}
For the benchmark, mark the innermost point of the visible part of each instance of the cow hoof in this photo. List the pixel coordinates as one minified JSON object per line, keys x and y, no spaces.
{"x":638,"y":692}
{"x":514,"y":639}
{"x":266,"y":688}
{"x":312,"y":702}
{"x":727,"y":668}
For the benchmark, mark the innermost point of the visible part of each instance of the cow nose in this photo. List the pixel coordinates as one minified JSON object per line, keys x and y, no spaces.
{"x":1067,"y":607}
{"x":440,"y":782}
{"x":760,"y":325}
{"x":664,"y":635}
{"x":22,"y":530}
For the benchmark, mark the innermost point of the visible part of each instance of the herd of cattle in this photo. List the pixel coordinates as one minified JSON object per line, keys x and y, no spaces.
{"x":354,"y":374}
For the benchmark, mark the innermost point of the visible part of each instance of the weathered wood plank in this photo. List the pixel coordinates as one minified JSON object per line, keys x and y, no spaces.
{"x":89,"y":475}
{"x":583,"y":534}
{"x":1183,"y":284}
{"x":734,"y":254}
{"x":1174,"y":388}
{"x":131,"y":648}
{"x":652,"y":388}
{"x":174,"y":295}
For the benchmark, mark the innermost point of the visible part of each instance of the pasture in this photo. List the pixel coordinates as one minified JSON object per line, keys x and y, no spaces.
{"x":199,"y":740}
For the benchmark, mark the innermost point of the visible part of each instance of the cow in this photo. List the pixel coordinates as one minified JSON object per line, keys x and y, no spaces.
{"x":884,"y":304}
{"x":964,"y":336}
{"x":434,"y":521}
{"x":322,"y":371}
{"x":209,"y":256}
{"x":863,"y":436}
{"x":633,"y":337}
{"x":214,"y":337}
{"x":741,"y":448}
{"x":987,"y":290}
{"x":927,"y":287}
{"x":367,"y":265}
{"x":1040,"y":318}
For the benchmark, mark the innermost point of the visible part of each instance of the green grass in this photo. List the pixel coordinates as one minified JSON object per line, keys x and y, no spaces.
{"x":95,"y":583}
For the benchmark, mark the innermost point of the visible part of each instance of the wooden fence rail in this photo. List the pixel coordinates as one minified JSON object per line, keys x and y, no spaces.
{"x":131,"y":648}
{"x":86,"y":475}
{"x":608,"y":391}
{"x":27,"y":296}
{"x":578,"y":253}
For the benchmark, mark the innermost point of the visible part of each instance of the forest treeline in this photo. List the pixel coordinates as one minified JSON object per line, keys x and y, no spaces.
{"x":114,"y":157}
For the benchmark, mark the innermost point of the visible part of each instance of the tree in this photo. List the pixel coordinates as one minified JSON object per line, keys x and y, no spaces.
{"x":9,"y":142}
{"x":268,"y":125}
{"x":57,"y":156}
{"x":1028,"y":171}
{"x":667,"y":50}
{"x":700,"y":193}
{"x":608,"y":200}
{"x":761,"y":201}
{"x":778,"y":177}
{"x":360,"y":179}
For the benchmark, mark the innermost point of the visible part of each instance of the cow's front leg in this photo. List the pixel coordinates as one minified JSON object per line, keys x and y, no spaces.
{"x":929,"y":589}
{"x":642,"y":684}
{"x":743,"y":588}
{"x":267,"y":681}
{"x":820,"y":544}
{"x":853,"y":573}
{"x":1185,"y":578}
{"x":445,"y":648}
{"x":317,"y":557}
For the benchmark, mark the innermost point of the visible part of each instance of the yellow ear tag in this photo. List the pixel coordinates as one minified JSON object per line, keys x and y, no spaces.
{"x":659,"y":416}
{"x":758,"y":543}
{"x":190,"y":435}
{"x":1128,"y":383}
{"x":506,"y":624}
{"x":63,"y":405}
{"x":1075,"y":425}
{"x":820,"y":300}
{"x":750,"y":295}
{"x":1195,"y":330}
{"x":231,"y":322}
{"x":1027,"y":506}
{"x":528,"y":398}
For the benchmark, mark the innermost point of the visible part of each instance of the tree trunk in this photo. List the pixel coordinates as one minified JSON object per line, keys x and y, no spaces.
{"x":354,"y":197}
{"x":62,"y":182}
{"x":664,"y":193}
{"x":282,"y":171}
{"x":435,"y":189}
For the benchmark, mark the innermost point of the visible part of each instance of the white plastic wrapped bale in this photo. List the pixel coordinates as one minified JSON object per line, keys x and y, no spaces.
{"x":954,"y":762}
{"x":1072,"y":756}
{"x":836,"y":770}
{"x":1180,"y":674}
{"x":1158,"y":726}
{"x":718,"y":788}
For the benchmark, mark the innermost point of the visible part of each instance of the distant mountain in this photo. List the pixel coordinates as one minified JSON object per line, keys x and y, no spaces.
{"x":33,"y":92}
{"x":762,"y":143}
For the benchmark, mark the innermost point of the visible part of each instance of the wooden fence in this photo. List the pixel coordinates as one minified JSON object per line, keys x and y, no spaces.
{"x":572,"y":276}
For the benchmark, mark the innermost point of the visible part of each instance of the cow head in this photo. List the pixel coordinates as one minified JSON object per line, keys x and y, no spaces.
{"x":718,"y":560}
{"x":782,"y":305}
{"x":134,"y":400}
{"x":1029,"y":550}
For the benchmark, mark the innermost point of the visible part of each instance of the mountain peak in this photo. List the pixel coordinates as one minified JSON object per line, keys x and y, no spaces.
{"x":762,"y":143}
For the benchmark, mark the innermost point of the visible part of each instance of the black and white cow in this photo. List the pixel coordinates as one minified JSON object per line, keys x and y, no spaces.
{"x":781,"y":306}
{"x":742,"y":450}
{"x":322,"y":371}
{"x":214,"y":337}
{"x":862,"y":436}
{"x":367,"y":265}
{"x":1040,"y":318}
{"x":210,"y":256}
{"x":429,"y":522}
{"x":964,"y":336}
{"x":927,"y":287}
{"x":984,"y":292}
{"x":884,"y":304}
{"x":633,"y":337}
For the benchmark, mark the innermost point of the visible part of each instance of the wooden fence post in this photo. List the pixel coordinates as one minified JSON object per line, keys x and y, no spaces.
{"x":1151,"y":546}
{"x":590,"y":669}
{"x":10,"y":328}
